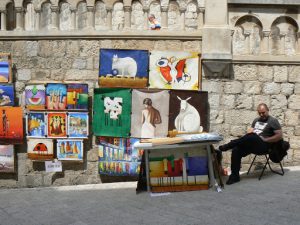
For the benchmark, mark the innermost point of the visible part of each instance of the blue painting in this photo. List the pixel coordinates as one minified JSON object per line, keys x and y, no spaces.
{"x":69,"y":149}
{"x":78,"y":125}
{"x":6,"y":95}
{"x":4,"y":71}
{"x":36,"y":124}
{"x":56,"y":96}
{"x":123,"y":68}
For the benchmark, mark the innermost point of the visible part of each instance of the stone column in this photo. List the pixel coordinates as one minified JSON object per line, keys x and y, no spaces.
{"x":55,"y":18}
{"x":109,"y":17}
{"x":164,"y":17}
{"x":73,"y":18}
{"x":200,"y":18}
{"x":90,"y":17}
{"x":3,"y":19}
{"x":247,"y":42}
{"x":127,"y":17}
{"x":146,"y":14}
{"x":182,"y":18}
{"x":19,"y":18}
{"x":37,"y":19}
{"x":265,"y":42}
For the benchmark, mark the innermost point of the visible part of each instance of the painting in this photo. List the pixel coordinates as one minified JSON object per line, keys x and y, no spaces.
{"x":57,"y":124}
{"x":117,"y":157}
{"x":189,"y":112}
{"x":11,"y":125}
{"x":112,"y":112}
{"x":40,"y":149}
{"x":7,"y":96}
{"x":56,"y":96}
{"x":7,"y":159}
{"x":77,"y":96}
{"x":69,"y":149}
{"x":35,"y":96}
{"x":123,"y":68}
{"x":36,"y":124}
{"x":150,"y":114}
{"x":4,"y":71}
{"x":185,"y":169}
{"x":78,"y":125}
{"x":174,"y":70}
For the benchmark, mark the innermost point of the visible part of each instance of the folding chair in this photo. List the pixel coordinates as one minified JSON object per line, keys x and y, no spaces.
{"x":265,"y":166}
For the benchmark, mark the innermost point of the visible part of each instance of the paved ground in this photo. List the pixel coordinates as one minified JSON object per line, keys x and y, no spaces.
{"x":271,"y":201}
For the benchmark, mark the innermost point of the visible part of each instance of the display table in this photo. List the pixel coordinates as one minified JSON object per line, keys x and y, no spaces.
{"x":181,"y":166}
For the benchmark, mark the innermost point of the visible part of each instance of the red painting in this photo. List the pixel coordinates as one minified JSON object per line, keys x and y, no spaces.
{"x":11,"y":125}
{"x":57,"y":124}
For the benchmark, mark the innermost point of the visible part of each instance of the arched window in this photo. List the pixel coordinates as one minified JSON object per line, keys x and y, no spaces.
{"x":29,"y":16}
{"x":65,"y":21}
{"x":137,"y":16}
{"x":118,"y":16}
{"x":100,"y":16}
{"x":82,"y":15}
{"x":155,"y":10}
{"x":46,"y":17}
{"x":191,"y":17}
{"x":173,"y":16}
{"x":10,"y":16}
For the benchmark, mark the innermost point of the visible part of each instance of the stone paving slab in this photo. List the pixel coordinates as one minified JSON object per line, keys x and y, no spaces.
{"x":275,"y":200}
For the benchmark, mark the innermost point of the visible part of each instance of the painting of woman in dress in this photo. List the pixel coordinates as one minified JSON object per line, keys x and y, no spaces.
{"x":150,"y":117}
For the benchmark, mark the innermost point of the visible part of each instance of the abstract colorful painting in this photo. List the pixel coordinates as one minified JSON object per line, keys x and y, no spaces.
{"x":57,"y":124}
{"x":7,"y":159}
{"x":189,"y":112}
{"x":7,"y":95}
{"x":36,"y":124}
{"x":35,"y":96}
{"x":40,"y":149}
{"x":69,"y":149}
{"x":174,"y":70}
{"x":4,"y":71}
{"x":112,"y":112}
{"x":150,"y":114}
{"x":56,"y":96}
{"x":117,"y":157}
{"x":78,"y":125}
{"x":123,"y":68}
{"x":11,"y":125}
{"x":185,"y":169}
{"x":77,"y":96}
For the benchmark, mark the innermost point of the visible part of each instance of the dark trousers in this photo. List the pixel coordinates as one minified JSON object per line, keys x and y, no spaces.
{"x":241,"y":147}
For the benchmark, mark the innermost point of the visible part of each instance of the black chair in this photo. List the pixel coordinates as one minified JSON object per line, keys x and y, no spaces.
{"x":265,"y":166}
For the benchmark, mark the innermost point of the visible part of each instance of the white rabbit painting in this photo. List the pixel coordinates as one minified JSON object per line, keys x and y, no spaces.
{"x":126,"y":66}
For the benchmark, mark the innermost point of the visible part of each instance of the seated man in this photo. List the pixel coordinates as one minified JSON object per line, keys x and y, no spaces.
{"x":264,"y":130}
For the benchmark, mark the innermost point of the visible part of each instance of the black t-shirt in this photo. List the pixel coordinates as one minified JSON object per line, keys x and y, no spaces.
{"x":265,"y":128}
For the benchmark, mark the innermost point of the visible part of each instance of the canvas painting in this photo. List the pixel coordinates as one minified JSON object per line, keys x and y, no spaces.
{"x":35,"y":96}
{"x":174,"y":70}
{"x":189,"y":112}
{"x":78,"y":125}
{"x":7,"y":159}
{"x":11,"y":125}
{"x":4,"y":71}
{"x":40,"y":149}
{"x":7,"y":95}
{"x":112,"y":112}
{"x":57,"y":124}
{"x":36,"y":124}
{"x":123,"y":68}
{"x":77,"y":96}
{"x":117,"y":157}
{"x":69,"y":149}
{"x":56,"y":96}
{"x":150,"y":114}
{"x":185,"y":169}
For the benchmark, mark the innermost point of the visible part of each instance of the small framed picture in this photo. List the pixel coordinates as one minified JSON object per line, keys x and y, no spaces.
{"x":57,"y":124}
{"x":36,"y":124}
{"x":7,"y":95}
{"x":7,"y":159}
{"x":40,"y":149}
{"x":35,"y":96}
{"x":78,"y":125}
{"x":68,"y":149}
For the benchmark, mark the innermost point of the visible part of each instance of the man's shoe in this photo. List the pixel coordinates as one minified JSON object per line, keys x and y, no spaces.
{"x":222,"y":148}
{"x":232,"y":179}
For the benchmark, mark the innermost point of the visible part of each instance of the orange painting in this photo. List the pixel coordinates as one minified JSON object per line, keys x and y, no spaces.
{"x":57,"y":124}
{"x":11,"y":125}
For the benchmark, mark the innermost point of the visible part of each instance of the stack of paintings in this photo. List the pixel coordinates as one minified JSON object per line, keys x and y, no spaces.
{"x":57,"y":118}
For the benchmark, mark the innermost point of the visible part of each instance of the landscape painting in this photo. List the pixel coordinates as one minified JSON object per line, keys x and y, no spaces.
{"x":78,"y":125}
{"x":40,"y":149}
{"x":36,"y":124}
{"x":150,"y":114}
{"x":57,"y":124}
{"x":56,"y":96}
{"x":174,"y":70}
{"x":4,"y":71}
{"x":69,"y":149}
{"x":35,"y":96}
{"x":7,"y":95}
{"x":7,"y":159}
{"x":123,"y":68}
{"x":77,"y":96}
{"x":11,"y":125}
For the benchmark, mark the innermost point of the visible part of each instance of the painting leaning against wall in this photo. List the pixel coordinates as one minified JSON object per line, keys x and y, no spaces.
{"x":7,"y":159}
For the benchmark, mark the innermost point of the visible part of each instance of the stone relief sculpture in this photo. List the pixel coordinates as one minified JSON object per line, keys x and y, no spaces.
{"x":100,"y":16}
{"x":137,"y":16}
{"x":65,"y":16}
{"x":275,"y":40}
{"x":191,"y":17}
{"x":290,"y":41}
{"x":82,"y":15}
{"x":118,"y":16}
{"x":173,"y":16}
{"x":46,"y":17}
{"x":238,"y":41}
{"x":29,"y":17}
{"x":255,"y":40}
